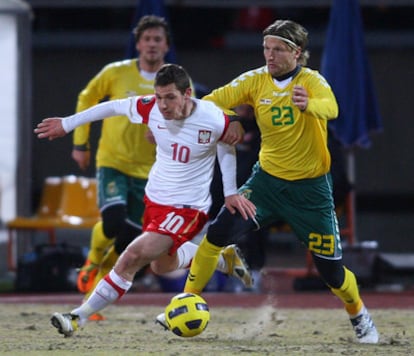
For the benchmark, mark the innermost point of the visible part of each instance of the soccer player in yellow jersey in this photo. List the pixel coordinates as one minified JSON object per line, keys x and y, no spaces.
{"x":291,"y":181}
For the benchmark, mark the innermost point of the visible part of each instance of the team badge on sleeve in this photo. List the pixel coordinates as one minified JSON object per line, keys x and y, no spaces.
{"x":204,"y":136}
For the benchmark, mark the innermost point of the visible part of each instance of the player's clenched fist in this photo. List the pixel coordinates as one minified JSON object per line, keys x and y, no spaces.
{"x":50,"y":128}
{"x":300,"y":97}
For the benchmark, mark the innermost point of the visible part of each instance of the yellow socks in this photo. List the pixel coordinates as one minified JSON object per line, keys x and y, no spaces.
{"x":99,"y":244}
{"x":202,"y":267}
{"x":349,"y":294}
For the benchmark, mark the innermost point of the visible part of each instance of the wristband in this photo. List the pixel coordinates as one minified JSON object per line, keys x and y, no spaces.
{"x":234,"y":118}
{"x":84,"y":147}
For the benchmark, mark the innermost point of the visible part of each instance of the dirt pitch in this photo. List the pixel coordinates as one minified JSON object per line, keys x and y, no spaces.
{"x":271,"y":327}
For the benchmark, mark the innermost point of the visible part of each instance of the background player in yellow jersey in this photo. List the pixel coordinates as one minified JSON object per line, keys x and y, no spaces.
{"x":291,"y":180}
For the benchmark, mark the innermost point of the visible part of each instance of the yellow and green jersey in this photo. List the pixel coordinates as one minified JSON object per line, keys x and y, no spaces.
{"x":293,"y":143}
{"x":122,"y":145}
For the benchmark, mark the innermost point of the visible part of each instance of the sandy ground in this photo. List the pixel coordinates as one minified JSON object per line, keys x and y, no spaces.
{"x":25,"y":329}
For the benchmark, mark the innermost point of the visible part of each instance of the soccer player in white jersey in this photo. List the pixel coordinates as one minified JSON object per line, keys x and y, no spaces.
{"x":188,"y":133}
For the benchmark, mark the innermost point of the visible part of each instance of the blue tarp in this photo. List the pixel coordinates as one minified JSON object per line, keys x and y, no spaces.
{"x":345,"y":66}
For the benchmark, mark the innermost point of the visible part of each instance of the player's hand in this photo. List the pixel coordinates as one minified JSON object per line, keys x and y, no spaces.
{"x":234,"y":133}
{"x":300,"y":97}
{"x":50,"y":128}
{"x":82,"y":158}
{"x":237,"y":202}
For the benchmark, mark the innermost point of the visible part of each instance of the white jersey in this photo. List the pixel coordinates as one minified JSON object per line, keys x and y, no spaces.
{"x":186,"y":149}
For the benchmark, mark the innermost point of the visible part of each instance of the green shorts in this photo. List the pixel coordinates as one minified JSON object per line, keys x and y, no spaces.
{"x":115,"y":187}
{"x":305,"y":205}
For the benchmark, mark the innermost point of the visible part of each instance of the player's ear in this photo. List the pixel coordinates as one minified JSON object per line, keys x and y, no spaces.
{"x":188,"y":92}
{"x":298,"y":53}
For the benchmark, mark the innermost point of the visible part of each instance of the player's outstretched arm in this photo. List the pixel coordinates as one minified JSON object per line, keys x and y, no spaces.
{"x":55,"y":127}
{"x":238,"y":202}
{"x":50,"y":128}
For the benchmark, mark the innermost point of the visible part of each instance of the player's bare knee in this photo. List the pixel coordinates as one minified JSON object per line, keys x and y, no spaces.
{"x":133,"y":254}
{"x":131,"y":261}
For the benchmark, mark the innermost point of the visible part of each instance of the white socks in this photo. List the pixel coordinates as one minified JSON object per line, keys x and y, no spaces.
{"x":186,"y":253}
{"x":107,"y":291}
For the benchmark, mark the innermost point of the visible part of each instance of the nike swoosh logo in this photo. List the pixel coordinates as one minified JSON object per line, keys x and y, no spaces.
{"x":161,"y":127}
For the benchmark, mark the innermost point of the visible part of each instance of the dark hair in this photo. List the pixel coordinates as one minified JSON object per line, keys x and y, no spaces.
{"x":151,"y":21}
{"x":173,"y":74}
{"x":292,"y":31}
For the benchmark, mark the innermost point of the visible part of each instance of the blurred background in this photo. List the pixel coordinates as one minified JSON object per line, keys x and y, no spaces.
{"x":69,"y":41}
